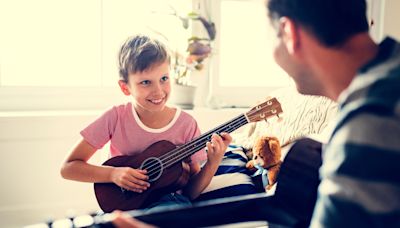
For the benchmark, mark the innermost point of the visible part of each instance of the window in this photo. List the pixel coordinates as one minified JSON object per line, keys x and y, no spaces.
{"x":243,"y":69}
{"x":62,"y":54}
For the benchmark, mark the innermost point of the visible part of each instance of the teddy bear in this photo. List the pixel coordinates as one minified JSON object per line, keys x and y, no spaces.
{"x":266,"y":157}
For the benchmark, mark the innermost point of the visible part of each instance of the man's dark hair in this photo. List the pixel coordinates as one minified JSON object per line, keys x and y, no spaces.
{"x":139,"y":53}
{"x":331,"y":21}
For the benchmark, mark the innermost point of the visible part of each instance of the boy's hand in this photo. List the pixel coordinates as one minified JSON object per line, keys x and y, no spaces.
{"x":130,"y":179}
{"x":217,"y":147}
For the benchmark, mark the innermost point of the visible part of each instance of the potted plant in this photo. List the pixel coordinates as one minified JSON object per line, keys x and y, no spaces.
{"x":198,"y":48}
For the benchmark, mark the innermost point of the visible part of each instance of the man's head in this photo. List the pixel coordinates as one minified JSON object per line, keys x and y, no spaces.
{"x":316,"y":38}
{"x":140,"y":53}
{"x":331,"y":21}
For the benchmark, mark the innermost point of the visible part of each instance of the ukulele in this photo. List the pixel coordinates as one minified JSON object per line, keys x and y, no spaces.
{"x":165,"y":164}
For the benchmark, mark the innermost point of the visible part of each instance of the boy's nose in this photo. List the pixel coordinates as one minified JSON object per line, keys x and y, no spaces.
{"x":158,"y":88}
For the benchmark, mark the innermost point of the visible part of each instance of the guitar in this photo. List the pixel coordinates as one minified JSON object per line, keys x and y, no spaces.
{"x":165,"y":164}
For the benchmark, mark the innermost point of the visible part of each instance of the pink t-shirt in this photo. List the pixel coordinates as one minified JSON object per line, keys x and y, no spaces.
{"x":129,"y":136}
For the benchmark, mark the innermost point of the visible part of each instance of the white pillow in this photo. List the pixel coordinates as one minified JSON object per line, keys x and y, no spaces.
{"x":303,"y":115}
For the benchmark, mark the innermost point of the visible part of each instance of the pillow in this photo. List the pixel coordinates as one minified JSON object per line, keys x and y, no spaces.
{"x":232,"y":178}
{"x":302,"y":115}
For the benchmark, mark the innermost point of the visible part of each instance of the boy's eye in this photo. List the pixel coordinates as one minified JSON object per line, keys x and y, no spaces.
{"x":164,"y":78}
{"x":145,"y":82}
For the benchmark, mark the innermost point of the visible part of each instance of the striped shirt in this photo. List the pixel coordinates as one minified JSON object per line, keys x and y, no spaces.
{"x":360,"y":174}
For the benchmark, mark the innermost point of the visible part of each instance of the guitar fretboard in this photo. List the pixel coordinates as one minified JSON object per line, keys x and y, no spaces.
{"x":199,"y":143}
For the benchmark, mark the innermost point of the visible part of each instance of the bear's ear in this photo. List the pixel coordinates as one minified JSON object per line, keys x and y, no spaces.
{"x":273,"y":145}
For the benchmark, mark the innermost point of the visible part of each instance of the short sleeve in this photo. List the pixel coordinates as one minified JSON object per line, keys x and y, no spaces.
{"x":100,"y":131}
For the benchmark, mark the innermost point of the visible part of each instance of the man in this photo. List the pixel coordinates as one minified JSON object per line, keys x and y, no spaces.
{"x":325,"y":47}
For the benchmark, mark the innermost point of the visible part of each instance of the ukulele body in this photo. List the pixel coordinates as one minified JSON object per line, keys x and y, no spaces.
{"x":162,"y":180}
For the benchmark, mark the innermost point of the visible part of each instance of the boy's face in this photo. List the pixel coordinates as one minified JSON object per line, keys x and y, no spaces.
{"x":150,"y":88}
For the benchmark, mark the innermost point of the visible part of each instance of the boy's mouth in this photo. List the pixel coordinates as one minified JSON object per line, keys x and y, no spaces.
{"x":156,"y":101}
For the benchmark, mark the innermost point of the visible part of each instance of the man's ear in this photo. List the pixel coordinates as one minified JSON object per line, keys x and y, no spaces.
{"x":124,"y":87}
{"x":289,"y":34}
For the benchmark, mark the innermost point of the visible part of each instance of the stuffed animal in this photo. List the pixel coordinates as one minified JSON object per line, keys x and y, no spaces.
{"x":266,"y":157}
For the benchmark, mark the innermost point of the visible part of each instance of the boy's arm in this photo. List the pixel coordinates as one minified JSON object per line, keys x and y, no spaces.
{"x":76,"y":168}
{"x":216,"y":150}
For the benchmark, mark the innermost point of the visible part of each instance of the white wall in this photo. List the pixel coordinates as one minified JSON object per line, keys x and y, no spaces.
{"x":33,"y":146}
{"x":391,"y":18}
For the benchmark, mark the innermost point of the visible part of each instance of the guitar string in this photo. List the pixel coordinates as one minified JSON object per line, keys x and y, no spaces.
{"x":249,"y":113}
{"x":203,"y":144}
{"x":185,"y":147}
{"x":198,"y":147}
{"x":170,"y":155}
{"x":184,"y":150}
{"x":174,"y":155}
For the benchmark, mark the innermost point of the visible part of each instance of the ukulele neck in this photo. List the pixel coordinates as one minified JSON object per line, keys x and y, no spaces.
{"x":199,"y":143}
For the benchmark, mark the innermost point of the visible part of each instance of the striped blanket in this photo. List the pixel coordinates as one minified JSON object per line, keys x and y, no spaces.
{"x":232,"y":178}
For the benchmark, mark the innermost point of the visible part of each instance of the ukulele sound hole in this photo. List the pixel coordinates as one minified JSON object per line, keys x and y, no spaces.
{"x":154,"y":168}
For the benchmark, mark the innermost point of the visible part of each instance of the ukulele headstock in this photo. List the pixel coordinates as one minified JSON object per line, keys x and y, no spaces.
{"x":265,"y":110}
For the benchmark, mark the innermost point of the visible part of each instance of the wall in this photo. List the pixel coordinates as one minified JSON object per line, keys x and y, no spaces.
{"x":391,"y":18}
{"x":33,"y":146}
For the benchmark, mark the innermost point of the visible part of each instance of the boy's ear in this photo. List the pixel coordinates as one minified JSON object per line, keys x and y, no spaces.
{"x":289,"y":33}
{"x":124,"y":87}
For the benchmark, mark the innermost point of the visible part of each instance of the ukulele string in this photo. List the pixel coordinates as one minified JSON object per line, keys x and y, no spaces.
{"x":195,"y":145}
{"x":170,"y":155}
{"x":242,"y":121}
{"x":175,"y":157}
{"x":234,"y":125}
